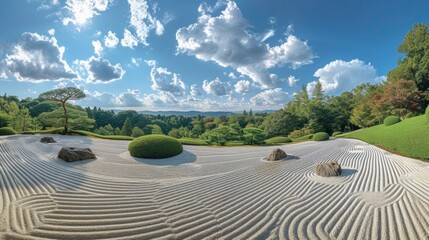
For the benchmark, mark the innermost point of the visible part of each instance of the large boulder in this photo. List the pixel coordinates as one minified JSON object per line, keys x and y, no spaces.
{"x":276,"y":154}
{"x":47,"y":140}
{"x":70,"y":154}
{"x":329,"y":169}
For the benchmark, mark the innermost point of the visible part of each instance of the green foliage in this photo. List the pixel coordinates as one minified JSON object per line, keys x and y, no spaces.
{"x":414,"y":66}
{"x":63,"y":95}
{"x":409,"y":137}
{"x":192,"y":141}
{"x":336,"y":133}
{"x":253,"y":135}
{"x":91,"y":134}
{"x":301,"y":132}
{"x":77,"y":119}
{"x":7,"y":131}
{"x":278,"y":140}
{"x":281,"y":123}
{"x":4,"y":120}
{"x":320,"y":136}
{"x":137,"y":132}
{"x":127,"y":128}
{"x":155,"y":146}
{"x":303,"y":138}
{"x":390,"y":120}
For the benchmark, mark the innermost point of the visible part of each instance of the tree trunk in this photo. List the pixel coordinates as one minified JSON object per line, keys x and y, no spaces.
{"x":66,"y":118}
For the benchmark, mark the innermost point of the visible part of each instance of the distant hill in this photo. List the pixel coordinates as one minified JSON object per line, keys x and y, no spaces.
{"x":192,"y":113}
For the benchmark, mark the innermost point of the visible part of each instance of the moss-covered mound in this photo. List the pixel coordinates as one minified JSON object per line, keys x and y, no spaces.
{"x":320,"y":136}
{"x":336,"y":133}
{"x":7,"y":131}
{"x":155,"y":146}
{"x":390,"y":120}
{"x":278,"y":140}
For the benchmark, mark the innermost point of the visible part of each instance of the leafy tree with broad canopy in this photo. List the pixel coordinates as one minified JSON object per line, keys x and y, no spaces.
{"x":63,"y":95}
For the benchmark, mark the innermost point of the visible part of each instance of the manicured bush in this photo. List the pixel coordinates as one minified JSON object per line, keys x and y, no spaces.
{"x":320,"y":136}
{"x":7,"y":131}
{"x":155,"y":146}
{"x":277,"y":140}
{"x":390,"y":120}
{"x":427,"y":113}
{"x":301,"y":132}
{"x":336,"y":133}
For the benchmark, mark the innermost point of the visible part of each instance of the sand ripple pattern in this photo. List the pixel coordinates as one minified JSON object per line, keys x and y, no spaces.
{"x":210,"y":193}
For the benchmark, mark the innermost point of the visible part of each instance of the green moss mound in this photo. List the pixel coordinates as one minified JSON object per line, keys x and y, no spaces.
{"x":390,"y":120}
{"x":320,"y":136}
{"x":336,"y":133}
{"x":155,"y":146}
{"x":427,"y":113}
{"x":278,"y":140}
{"x":7,"y":131}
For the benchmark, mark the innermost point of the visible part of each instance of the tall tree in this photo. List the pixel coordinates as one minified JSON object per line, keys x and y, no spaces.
{"x":127,"y":128}
{"x":415,"y":64}
{"x":63,"y":95}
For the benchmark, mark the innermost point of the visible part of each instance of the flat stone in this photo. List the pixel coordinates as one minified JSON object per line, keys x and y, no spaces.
{"x":47,"y":140}
{"x":276,"y":154}
{"x":329,"y":169}
{"x":70,"y":154}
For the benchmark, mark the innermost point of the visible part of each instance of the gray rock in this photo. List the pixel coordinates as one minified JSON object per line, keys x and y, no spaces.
{"x":47,"y":140}
{"x":276,"y":154}
{"x":70,"y":154}
{"x":329,"y":169}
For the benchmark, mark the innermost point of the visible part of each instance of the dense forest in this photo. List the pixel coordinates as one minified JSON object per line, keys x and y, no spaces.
{"x":403,"y":94}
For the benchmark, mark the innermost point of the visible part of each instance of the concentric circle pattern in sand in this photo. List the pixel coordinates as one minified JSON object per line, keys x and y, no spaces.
{"x":210,"y":193}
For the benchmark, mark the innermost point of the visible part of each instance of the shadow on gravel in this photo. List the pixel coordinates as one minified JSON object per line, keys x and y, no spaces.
{"x":348,"y":172}
{"x":183,"y":158}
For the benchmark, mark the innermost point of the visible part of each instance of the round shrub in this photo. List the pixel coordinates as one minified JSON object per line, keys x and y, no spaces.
{"x":427,"y":113}
{"x":336,"y":133}
{"x":390,"y":120}
{"x":278,"y":140}
{"x":155,"y":146}
{"x":7,"y":131}
{"x":320,"y":136}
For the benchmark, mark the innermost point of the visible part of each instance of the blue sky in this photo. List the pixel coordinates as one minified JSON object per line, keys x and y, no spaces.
{"x":199,"y":55}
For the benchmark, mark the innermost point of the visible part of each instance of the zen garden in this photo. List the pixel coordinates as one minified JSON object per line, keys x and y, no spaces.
{"x":94,"y":149}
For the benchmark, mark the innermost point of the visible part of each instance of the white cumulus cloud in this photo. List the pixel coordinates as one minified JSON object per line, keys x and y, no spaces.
{"x":166,"y":81}
{"x":292,"y":80}
{"x":143,"y":21}
{"x":82,"y":11}
{"x":195,"y":90}
{"x":339,"y":76}
{"x":242,"y":86}
{"x":37,"y":58}
{"x":271,"y":97}
{"x":100,"y":70}
{"x":225,"y":39}
{"x":98,"y":48}
{"x":129,"y":40}
{"x":110,"y":40}
{"x":217,"y":87}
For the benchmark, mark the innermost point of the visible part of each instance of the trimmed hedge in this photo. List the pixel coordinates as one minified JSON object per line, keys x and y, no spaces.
{"x":155,"y":146}
{"x":192,"y":141}
{"x":390,"y":120}
{"x":336,"y":133}
{"x":7,"y":131}
{"x":320,"y":136}
{"x":277,"y":140}
{"x":427,"y":113}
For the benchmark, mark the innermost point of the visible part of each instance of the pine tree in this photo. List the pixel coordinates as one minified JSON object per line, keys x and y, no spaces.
{"x":127,"y":128}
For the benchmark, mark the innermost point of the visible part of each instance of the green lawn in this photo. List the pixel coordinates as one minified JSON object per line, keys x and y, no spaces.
{"x":111,"y":137}
{"x":409,"y":137}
